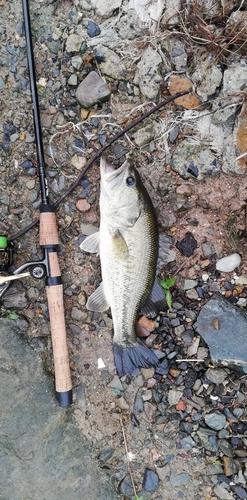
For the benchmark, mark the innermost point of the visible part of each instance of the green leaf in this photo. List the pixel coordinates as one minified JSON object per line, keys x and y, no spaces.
{"x":13,"y":315}
{"x":166,"y":284}
{"x":169,"y":299}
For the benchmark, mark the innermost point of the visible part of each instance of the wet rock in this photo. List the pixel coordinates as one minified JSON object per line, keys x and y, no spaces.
{"x":215,"y":420}
{"x":125,"y":487}
{"x":16,"y":301}
{"x":147,"y":74}
{"x":187,"y":245}
{"x":225,"y":343}
{"x":150,"y":481}
{"x":92,"y":90}
{"x":229,"y":263}
{"x":111,"y":64}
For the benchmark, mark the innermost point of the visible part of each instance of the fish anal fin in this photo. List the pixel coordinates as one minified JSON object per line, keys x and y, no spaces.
{"x":128,"y":358}
{"x":155,"y":302}
{"x":97,"y":301}
{"x":91,"y":243}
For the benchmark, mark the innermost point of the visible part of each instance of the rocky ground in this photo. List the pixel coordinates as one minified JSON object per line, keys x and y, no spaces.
{"x":179,"y":431}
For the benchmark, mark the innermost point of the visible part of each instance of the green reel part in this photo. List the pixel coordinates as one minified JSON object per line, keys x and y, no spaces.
{"x":3,"y":241}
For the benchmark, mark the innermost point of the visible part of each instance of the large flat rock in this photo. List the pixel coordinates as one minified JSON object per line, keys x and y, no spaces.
{"x":43,"y":454}
{"x":223,"y":326}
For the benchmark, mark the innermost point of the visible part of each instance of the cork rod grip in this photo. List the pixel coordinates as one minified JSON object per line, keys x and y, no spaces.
{"x":48,"y":234}
{"x":58,"y":335}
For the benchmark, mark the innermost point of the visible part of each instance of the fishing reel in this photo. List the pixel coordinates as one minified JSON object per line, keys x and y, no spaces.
{"x":36,"y":269}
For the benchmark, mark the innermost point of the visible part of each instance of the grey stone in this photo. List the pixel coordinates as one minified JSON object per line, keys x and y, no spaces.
{"x":138,"y":404}
{"x":104,"y":8}
{"x":147,"y":74}
{"x":226,"y":343}
{"x":116,"y":383}
{"x":16,"y":301}
{"x":179,"y":479}
{"x":178,"y":54}
{"x":73,"y":43}
{"x":112,"y":65}
{"x":215,"y":420}
{"x":92,"y":90}
{"x":216,"y":375}
{"x":225,"y":447}
{"x":187,"y":443}
{"x":106,"y":454}
{"x":174,"y":397}
{"x":189,"y":284}
{"x":235,"y":77}
{"x":39,"y":435}
{"x":222,"y":493}
{"x":208,"y":250}
{"x":213,"y":469}
{"x":72,"y":80}
{"x":207,"y":76}
{"x":192,"y":160}
{"x":76,"y":61}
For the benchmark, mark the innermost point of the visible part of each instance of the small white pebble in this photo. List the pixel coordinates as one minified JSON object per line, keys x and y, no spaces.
{"x":101,"y":363}
{"x":205,"y":277}
{"x":229,"y":263}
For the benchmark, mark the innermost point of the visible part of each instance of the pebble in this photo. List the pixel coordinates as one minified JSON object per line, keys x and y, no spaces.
{"x":116,"y":383}
{"x":138,"y":404}
{"x":106,"y":454}
{"x":150,"y":481}
{"x":174,"y":397}
{"x":216,"y":375}
{"x":229,"y":263}
{"x":187,"y":245}
{"x":215,"y":420}
{"x":179,"y":479}
{"x":125,"y":487}
{"x":93,"y":29}
{"x":92,"y":90}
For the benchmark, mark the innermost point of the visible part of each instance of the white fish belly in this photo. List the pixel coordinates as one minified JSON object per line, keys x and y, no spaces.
{"x":127,"y":274}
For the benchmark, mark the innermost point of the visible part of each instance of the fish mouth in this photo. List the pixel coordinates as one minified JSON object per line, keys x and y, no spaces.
{"x":113,"y":177}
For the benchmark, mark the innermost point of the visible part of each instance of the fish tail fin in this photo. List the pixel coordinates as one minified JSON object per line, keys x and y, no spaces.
{"x":129,"y":358}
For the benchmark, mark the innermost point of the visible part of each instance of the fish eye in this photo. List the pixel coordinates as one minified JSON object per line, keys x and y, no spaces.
{"x":130,"y":181}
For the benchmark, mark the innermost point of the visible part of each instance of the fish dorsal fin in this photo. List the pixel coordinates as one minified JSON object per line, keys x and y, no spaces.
{"x":91,"y":243}
{"x":120,"y":247}
{"x":155,"y":302}
{"x":97,"y":301}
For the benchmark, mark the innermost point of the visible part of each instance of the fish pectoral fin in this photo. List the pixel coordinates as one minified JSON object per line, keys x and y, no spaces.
{"x":91,"y":243}
{"x":155,"y":302}
{"x":97,"y":301}
{"x":120,"y":247}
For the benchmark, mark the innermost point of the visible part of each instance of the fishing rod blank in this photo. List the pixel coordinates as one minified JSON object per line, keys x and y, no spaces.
{"x":49,"y":242}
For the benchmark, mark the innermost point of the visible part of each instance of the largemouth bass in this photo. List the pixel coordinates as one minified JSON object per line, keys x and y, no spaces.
{"x":127,"y":243}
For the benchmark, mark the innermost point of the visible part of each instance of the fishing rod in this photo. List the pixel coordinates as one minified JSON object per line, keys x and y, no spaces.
{"x":48,"y":266}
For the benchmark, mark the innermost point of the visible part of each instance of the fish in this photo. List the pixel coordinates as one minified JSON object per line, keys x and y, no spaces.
{"x":127,"y":242}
